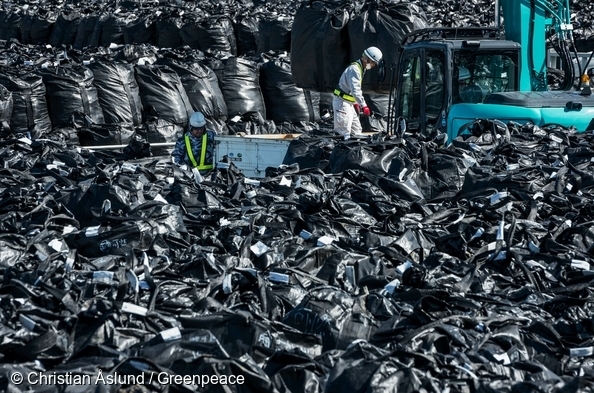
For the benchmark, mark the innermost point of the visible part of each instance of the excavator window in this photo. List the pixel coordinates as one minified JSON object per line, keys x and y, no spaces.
{"x":483,"y":73}
{"x":410,"y":94}
{"x":434,"y":86}
{"x":421,"y":96}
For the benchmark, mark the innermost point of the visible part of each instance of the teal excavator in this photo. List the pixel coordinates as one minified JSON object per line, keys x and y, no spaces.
{"x":449,"y":77}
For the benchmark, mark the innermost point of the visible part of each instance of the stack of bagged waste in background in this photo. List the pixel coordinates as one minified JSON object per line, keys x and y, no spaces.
{"x":392,"y":264}
{"x":308,"y":44}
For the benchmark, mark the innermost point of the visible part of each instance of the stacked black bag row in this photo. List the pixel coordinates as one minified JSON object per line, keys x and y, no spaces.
{"x":391,"y":265}
{"x":238,"y":31}
{"x":129,"y":86}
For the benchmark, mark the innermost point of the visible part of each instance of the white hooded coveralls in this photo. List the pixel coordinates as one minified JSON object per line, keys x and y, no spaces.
{"x":346,"y":120}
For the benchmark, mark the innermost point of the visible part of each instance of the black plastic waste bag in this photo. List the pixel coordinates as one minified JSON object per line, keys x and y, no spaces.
{"x":214,"y":33}
{"x":142,"y":30}
{"x":285,"y":101}
{"x":36,"y":25}
{"x":239,"y":79}
{"x":118,"y":239}
{"x":274,"y":34}
{"x":6,"y":105}
{"x":65,"y":28}
{"x":374,"y":158}
{"x":105,"y":134}
{"x":167,"y":27}
{"x":10,"y":23}
{"x":319,"y":46}
{"x":118,"y":91}
{"x":86,"y":27}
{"x":246,"y":32}
{"x":162,"y":94}
{"x":109,"y":29}
{"x":201,"y":86}
{"x":70,"y":89}
{"x":383,"y":24}
{"x":30,"y":112}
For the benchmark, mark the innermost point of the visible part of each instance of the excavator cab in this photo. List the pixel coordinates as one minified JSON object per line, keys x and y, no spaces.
{"x":448,"y":77}
{"x":436,"y":73}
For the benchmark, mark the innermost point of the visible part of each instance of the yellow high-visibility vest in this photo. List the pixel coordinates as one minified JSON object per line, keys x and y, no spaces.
{"x":342,"y":94}
{"x":202,"y":166}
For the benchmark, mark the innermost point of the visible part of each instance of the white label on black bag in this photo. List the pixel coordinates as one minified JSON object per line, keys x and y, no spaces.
{"x":325,"y":241}
{"x":259,"y":248}
{"x":133,"y":279}
{"x":504,"y":357}
{"x":27,"y":322}
{"x":134,"y":309}
{"x":227,"y":284}
{"x":479,"y":232}
{"x":278,"y":277}
{"x":555,"y":138}
{"x":286,"y":181}
{"x":404,"y":267}
{"x":92,"y":231}
{"x":171,"y":334}
{"x":497,"y":196}
{"x":533,"y":247}
{"x":585,"y":351}
{"x":251,"y":181}
{"x":304,"y":234}
{"x":392,"y":285}
{"x":500,"y":230}
{"x":103,"y":277}
{"x":577,"y":264}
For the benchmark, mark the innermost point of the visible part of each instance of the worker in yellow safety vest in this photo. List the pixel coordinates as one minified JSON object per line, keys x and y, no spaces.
{"x":195,"y":149}
{"x":348,"y":101}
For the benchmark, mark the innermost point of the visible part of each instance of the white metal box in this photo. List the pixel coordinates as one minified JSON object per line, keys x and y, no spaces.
{"x":252,"y":154}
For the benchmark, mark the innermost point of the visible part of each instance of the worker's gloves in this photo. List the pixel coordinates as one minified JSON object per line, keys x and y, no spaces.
{"x":365,"y":110}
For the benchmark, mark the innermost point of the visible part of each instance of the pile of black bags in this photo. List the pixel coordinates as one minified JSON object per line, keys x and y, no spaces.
{"x":393,"y":264}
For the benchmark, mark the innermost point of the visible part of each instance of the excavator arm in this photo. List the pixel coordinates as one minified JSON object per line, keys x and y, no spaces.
{"x":530,"y":23}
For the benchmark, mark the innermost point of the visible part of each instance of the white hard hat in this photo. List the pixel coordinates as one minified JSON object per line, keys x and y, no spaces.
{"x":197,"y":120}
{"x":373,"y":53}
{"x":463,"y":74}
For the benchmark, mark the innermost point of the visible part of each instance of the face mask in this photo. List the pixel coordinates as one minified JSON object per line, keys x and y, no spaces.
{"x":367,"y":66}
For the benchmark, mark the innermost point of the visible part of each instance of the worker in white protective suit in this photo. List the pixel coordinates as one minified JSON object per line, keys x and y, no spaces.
{"x":348,"y":100}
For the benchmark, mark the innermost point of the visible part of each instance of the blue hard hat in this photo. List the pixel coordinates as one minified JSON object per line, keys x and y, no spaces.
{"x":197,"y":120}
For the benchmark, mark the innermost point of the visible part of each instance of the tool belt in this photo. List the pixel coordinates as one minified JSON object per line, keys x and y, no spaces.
{"x":343,"y":95}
